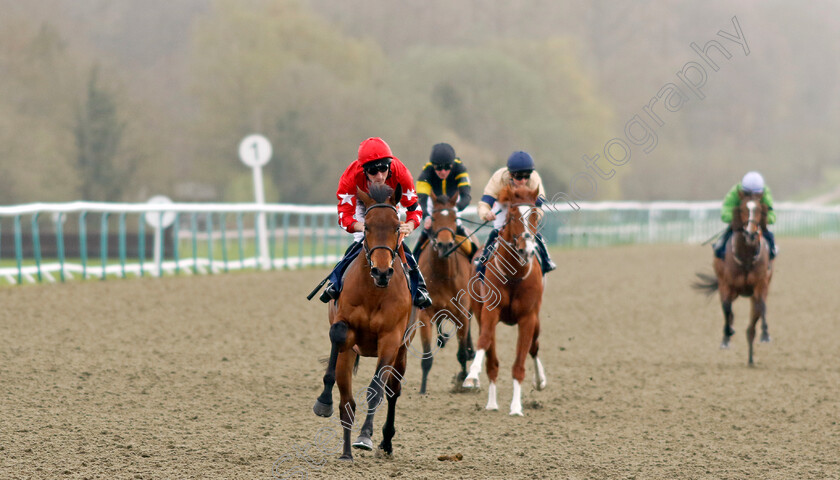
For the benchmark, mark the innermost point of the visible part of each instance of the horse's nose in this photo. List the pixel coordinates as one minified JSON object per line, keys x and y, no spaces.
{"x":448,"y":246}
{"x":381,"y":277}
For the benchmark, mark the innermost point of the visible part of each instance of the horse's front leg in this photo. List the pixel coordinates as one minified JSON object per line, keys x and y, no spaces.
{"x":426,"y":340}
{"x":374,"y":400}
{"x":347,"y":405}
{"x":765,"y":333}
{"x":393,"y":376}
{"x":539,"y":372}
{"x":464,"y":348}
{"x":726,"y":299}
{"x":757,"y":312}
{"x":523,"y":345}
{"x":486,"y":339}
{"x":338,"y":337}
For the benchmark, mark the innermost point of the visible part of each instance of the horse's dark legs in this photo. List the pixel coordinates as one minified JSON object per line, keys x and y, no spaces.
{"x":324,"y":405}
{"x":374,"y":399}
{"x":464,"y":348}
{"x":758,"y":308}
{"x":539,"y":371}
{"x":426,"y":339}
{"x":347,"y":405}
{"x":728,"y":317}
{"x":765,"y":333}
{"x":394,"y":389}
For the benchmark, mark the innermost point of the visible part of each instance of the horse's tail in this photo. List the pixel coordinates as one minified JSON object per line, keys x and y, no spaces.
{"x":707,"y":284}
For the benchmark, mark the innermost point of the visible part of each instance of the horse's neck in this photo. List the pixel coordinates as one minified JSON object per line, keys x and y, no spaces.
{"x":743,"y":251}
{"x":442,"y":267}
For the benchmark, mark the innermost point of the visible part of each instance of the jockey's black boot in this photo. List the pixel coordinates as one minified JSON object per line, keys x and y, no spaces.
{"x":421,"y":294}
{"x":481,"y":261}
{"x":771,"y":242}
{"x":334,"y":288}
{"x":720,"y":245}
{"x":545,"y":260}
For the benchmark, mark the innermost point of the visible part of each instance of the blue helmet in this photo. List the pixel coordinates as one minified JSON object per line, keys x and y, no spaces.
{"x":753,"y":182}
{"x":519,"y":161}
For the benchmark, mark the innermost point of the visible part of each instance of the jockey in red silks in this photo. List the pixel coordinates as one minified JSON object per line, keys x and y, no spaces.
{"x":375,"y":165}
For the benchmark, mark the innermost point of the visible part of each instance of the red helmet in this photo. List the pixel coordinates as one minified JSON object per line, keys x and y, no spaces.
{"x":373,"y":149}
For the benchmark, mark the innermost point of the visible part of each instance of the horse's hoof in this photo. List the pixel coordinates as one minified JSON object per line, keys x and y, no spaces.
{"x":724,"y":345}
{"x":539,"y":385}
{"x":382,"y":452}
{"x":517,"y":413}
{"x":323,"y":410}
{"x":765,"y":338}
{"x":363,"y":443}
{"x":346,"y":458}
{"x":471,"y":383}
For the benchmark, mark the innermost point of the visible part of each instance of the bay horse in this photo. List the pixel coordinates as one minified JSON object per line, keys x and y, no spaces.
{"x":746,"y":269}
{"x":511,"y":293}
{"x":446,"y":274}
{"x":370,"y":319}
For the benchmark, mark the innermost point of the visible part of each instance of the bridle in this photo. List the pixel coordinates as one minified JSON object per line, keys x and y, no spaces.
{"x":515,"y":238}
{"x":369,"y":250}
{"x":751,"y":236}
{"x":527,"y":231}
{"x":435,"y":233}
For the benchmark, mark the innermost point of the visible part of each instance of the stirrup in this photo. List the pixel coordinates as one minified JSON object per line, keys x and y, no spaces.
{"x":422,"y":299}
{"x":328,"y":294}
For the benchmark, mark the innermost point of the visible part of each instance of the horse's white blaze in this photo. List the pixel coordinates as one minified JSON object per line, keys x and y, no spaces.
{"x":516,"y":402}
{"x":491,"y":397}
{"x":751,"y":225}
{"x":539,"y":375}
{"x":475,"y":369}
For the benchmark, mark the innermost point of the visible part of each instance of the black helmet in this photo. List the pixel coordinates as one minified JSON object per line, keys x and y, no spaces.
{"x":442,"y":154}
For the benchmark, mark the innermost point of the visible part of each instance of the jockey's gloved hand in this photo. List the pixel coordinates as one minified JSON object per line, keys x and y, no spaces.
{"x":406,"y":228}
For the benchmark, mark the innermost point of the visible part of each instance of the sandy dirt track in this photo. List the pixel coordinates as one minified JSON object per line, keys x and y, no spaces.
{"x":215,"y":377}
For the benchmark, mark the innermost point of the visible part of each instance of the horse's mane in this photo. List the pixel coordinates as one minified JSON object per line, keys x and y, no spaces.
{"x":380,"y":193}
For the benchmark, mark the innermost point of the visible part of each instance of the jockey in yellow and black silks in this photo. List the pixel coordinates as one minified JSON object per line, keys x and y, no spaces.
{"x":444,"y":175}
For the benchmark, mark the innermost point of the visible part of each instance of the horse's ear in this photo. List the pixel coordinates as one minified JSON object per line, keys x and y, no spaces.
{"x":397,"y":194}
{"x":433,"y":196}
{"x":454,"y":199}
{"x":741,"y":194}
{"x":505,"y":194}
{"x":364,"y":197}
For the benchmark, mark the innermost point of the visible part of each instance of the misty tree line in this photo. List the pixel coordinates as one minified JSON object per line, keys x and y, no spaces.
{"x":120,"y":102}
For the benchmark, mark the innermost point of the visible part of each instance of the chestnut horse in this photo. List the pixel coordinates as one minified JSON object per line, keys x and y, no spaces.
{"x":746,"y":269}
{"x":445,"y":275}
{"x":511,"y":293}
{"x":370,"y":319}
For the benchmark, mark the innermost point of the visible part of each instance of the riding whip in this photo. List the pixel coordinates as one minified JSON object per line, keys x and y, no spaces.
{"x":713,"y":237}
{"x":312,"y":294}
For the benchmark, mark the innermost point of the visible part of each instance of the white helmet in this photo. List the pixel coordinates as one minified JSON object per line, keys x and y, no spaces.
{"x":753,"y":182}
